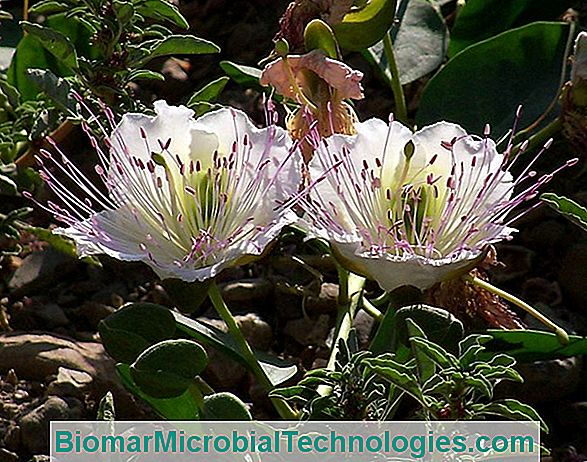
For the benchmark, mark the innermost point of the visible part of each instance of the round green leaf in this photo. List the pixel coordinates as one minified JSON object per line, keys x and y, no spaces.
{"x":481,"y":19}
{"x":225,"y":406}
{"x":167,"y":369}
{"x":487,"y":82}
{"x":127,"y":332}
{"x":183,"y":407}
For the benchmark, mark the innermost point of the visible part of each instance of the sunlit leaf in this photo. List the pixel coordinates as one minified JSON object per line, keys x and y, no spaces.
{"x":366,"y":25}
{"x":568,"y":208}
{"x":487,"y":82}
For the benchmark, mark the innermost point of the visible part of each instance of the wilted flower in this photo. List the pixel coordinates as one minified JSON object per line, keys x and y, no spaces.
{"x":300,"y":12}
{"x":187,"y":196}
{"x":320,"y":85}
{"x":414,"y":208}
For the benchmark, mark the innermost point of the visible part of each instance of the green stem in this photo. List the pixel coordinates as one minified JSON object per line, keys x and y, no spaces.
{"x":540,"y":137}
{"x":371,"y":309}
{"x":401,"y":110}
{"x":559,"y":331}
{"x":349,"y":295}
{"x":197,"y":394}
{"x":285,"y":411}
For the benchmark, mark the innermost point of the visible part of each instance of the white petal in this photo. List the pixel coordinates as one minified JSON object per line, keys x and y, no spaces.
{"x":170,"y":122}
{"x":428,"y":143}
{"x":392,"y":272}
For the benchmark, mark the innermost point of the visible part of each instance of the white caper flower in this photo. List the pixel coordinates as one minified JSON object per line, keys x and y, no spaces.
{"x":187,"y":196}
{"x":414,"y":208}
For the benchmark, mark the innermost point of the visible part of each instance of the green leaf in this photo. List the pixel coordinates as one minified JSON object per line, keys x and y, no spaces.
{"x":54,"y":42}
{"x":202,"y":108}
{"x":168,"y":368}
{"x":124,"y":12}
{"x":57,"y":88}
{"x":209,"y":92}
{"x":532,"y":345}
{"x":31,"y":54}
{"x":5,"y":15}
{"x":481,"y":19}
{"x":60,"y":243}
{"x":277,"y":370}
{"x":480,"y":384}
{"x":243,"y":75}
{"x":106,"y":408}
{"x":186,"y":296}
{"x":296,"y":392}
{"x":145,"y":74}
{"x":135,"y":327}
{"x":397,"y":374}
{"x":470,"y":347}
{"x":319,"y":36}
{"x":426,"y":367}
{"x":365,"y":26}
{"x":161,"y":9}
{"x":511,"y":409}
{"x":497,"y":373}
{"x":225,"y":406}
{"x":49,"y":7}
{"x":11,"y":93}
{"x":568,"y":208}
{"x":184,"y":407}
{"x":419,"y":43}
{"x":438,"y":325}
{"x":7,"y":186}
{"x":487,"y":82}
{"x":435,"y":352}
{"x":179,"y":45}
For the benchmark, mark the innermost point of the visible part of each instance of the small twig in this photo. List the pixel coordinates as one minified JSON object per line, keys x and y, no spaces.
{"x":401,"y":110}
{"x":559,"y":331}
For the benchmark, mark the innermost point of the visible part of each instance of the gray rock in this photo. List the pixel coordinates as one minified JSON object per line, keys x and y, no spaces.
{"x":7,"y":456}
{"x":70,"y":382}
{"x":308,"y":331}
{"x":363,"y":324}
{"x":12,"y":438}
{"x":38,"y":270}
{"x":545,"y":381}
{"x":257,"y":332}
{"x":246,"y":290}
{"x":223,"y":372}
{"x":37,"y":356}
{"x":50,"y":315}
{"x":94,"y":312}
{"x":34,"y":426}
{"x":325,"y":302}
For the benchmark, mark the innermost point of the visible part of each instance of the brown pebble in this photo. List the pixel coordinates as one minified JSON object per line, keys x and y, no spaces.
{"x":11,"y":377}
